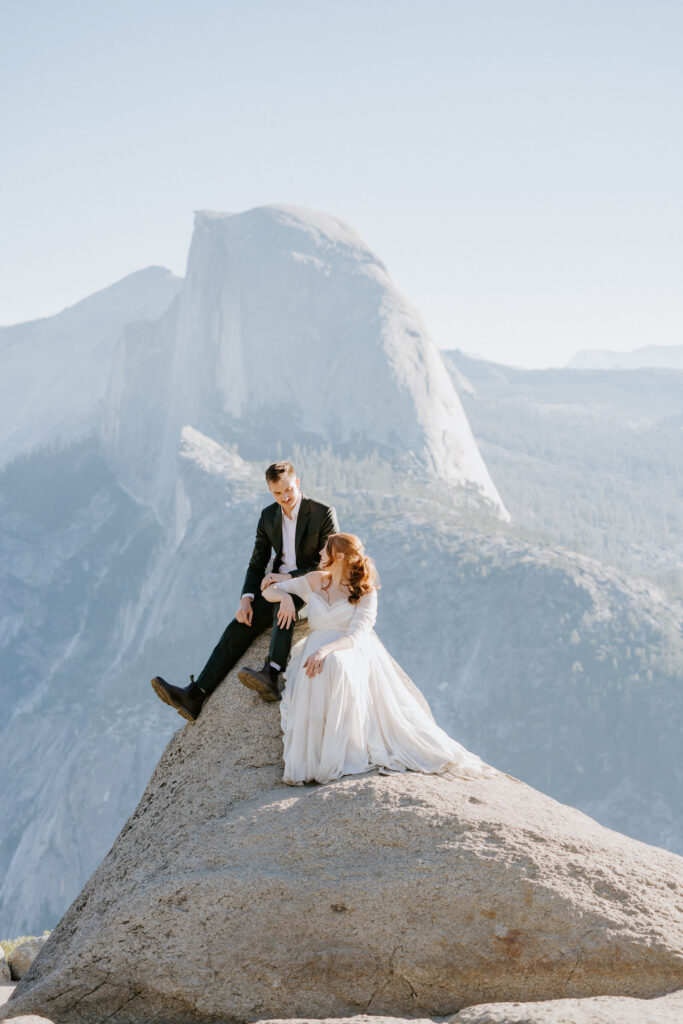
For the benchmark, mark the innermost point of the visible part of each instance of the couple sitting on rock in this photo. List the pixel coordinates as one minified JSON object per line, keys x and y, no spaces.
{"x":344,"y":709}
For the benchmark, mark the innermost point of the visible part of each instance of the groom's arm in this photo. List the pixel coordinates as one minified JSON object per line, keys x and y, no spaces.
{"x":328,"y":525}
{"x":258,"y":563}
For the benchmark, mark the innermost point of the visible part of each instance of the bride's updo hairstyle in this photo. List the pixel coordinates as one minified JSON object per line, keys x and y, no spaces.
{"x":359,"y":572}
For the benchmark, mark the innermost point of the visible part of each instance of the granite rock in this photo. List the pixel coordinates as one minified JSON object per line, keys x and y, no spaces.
{"x":230,"y":897}
{"x":21,"y":957}
{"x":597,"y":1010}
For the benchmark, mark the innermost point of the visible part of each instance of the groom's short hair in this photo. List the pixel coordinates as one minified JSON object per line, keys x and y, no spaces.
{"x":278,"y":470}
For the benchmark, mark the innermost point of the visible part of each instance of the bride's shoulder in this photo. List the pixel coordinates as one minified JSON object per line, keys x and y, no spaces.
{"x":315,"y":580}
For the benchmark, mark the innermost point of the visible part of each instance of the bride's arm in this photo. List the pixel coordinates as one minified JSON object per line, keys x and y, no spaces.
{"x":282,"y":592}
{"x":301,"y":586}
{"x":364,"y":618}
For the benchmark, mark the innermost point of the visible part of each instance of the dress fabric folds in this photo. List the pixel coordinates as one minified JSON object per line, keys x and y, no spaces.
{"x":357,"y":714}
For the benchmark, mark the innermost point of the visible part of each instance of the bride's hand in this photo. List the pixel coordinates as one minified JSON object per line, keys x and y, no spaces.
{"x":274,"y":577}
{"x":286,"y":613}
{"x":313,"y":664}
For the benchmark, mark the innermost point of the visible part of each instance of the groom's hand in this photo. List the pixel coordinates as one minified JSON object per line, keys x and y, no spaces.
{"x":274,"y":577}
{"x":286,"y":613}
{"x":245,"y":612}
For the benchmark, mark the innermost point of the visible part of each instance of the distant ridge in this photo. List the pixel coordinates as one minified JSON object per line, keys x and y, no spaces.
{"x":663,"y":356}
{"x":55,"y":371}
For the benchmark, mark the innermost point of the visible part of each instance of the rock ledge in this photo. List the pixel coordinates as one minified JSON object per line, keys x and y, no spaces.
{"x":229,"y":897}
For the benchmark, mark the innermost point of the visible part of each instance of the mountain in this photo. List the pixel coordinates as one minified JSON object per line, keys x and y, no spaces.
{"x":665,"y":356}
{"x":54,"y":373}
{"x":123,"y":547}
{"x":590,"y":458}
{"x":287,"y":327}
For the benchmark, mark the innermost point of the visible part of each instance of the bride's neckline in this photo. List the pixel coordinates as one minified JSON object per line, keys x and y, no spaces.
{"x":330,"y":604}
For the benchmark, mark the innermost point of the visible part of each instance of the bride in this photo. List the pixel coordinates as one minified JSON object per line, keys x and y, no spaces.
{"x":345,"y":710}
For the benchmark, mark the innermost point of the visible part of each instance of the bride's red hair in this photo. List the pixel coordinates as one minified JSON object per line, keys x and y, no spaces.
{"x":359,"y":572}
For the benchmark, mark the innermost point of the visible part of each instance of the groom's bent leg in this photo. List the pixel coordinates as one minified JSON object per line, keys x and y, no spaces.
{"x":235,"y":640}
{"x":281,"y":639}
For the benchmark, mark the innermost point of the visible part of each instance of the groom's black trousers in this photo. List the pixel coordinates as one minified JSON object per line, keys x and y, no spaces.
{"x":237,"y":638}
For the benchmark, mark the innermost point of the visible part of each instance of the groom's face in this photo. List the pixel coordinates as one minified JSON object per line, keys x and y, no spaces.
{"x":285,"y":491}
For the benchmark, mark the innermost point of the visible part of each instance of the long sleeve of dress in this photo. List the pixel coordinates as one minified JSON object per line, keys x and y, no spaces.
{"x":364,"y":617}
{"x":298,"y":585}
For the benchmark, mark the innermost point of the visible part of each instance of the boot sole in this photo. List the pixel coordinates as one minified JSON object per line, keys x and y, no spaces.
{"x":254,"y":683}
{"x":163,"y":695}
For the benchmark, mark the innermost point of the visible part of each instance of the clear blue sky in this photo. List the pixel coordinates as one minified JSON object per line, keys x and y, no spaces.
{"x":517,"y":165}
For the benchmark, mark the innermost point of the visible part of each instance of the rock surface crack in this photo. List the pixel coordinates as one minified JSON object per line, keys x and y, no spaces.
{"x":579,"y":957}
{"x":118,"y":1008}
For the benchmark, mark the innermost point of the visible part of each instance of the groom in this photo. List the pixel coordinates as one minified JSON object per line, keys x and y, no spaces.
{"x":295,"y":528}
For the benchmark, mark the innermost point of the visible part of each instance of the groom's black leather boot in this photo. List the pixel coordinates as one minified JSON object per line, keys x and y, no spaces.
{"x":264,"y":681}
{"x":186,"y":700}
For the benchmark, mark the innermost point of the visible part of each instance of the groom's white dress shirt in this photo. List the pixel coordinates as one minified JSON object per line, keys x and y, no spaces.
{"x":288,"y":563}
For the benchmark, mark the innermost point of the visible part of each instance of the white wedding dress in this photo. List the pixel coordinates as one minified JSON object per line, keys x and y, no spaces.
{"x":357,"y":714}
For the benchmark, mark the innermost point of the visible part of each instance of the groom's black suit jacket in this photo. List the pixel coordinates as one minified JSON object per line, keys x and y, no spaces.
{"x":314,"y":524}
